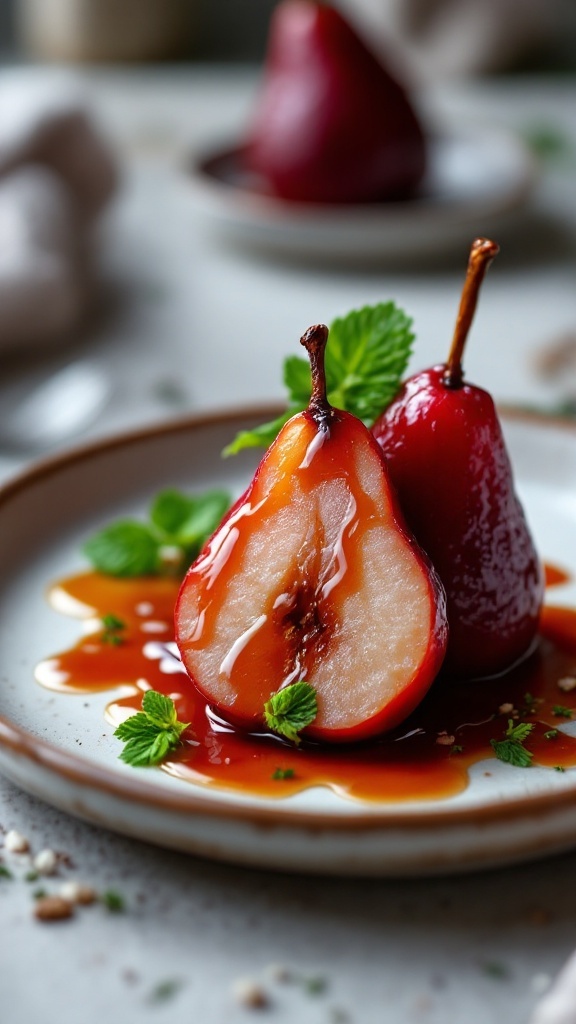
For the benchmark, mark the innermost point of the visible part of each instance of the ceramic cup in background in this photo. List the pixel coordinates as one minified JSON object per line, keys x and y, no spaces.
{"x":105,"y":30}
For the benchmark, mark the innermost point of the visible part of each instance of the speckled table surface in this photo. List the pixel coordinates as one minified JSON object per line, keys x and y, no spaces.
{"x":179,"y":306}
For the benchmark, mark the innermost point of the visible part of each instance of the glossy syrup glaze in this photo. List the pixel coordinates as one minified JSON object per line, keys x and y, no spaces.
{"x":246,"y":630}
{"x":426,"y":758}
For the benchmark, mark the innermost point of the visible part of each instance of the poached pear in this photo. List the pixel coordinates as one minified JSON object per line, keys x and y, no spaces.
{"x":313,"y":577}
{"x":446,"y":454}
{"x":331,"y":124}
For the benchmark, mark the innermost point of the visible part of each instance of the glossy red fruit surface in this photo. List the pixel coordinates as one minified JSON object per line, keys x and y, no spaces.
{"x":313,"y":576}
{"x":331,"y":124}
{"x":446,"y":454}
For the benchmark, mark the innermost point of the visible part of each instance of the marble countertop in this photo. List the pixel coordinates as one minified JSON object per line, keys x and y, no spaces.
{"x":188,"y":324}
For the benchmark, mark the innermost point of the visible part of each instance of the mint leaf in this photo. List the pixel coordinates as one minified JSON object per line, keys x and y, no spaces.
{"x":511,"y":749}
{"x":181,"y":521}
{"x":187,"y":521}
{"x":291,"y":709}
{"x":519,"y":732}
{"x":297,"y":378}
{"x":159,"y":709}
{"x":366,"y":357}
{"x":204,"y":516}
{"x":170,"y":510}
{"x":262,"y":436}
{"x":126,"y":548}
{"x":152,"y":733}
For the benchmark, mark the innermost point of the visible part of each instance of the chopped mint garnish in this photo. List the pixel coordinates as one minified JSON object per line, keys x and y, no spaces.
{"x":152,"y":733}
{"x":562,"y":712}
{"x":316,"y":985}
{"x":549,"y":142}
{"x":165,"y":990}
{"x":291,"y":709}
{"x":511,"y":749}
{"x":113,"y":901}
{"x":496,"y":969}
{"x":113,"y":629}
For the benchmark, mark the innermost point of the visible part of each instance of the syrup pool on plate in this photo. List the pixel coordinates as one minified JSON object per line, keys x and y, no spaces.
{"x":426,"y":758}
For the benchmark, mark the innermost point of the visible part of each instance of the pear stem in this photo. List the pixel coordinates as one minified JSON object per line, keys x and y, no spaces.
{"x":314,"y":341}
{"x":482,"y":253}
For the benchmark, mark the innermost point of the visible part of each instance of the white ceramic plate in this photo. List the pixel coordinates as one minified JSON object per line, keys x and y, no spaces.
{"x":59,"y":747}
{"x":478,"y":180}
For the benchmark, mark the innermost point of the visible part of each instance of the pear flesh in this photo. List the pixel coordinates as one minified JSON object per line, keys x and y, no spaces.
{"x":313,"y":576}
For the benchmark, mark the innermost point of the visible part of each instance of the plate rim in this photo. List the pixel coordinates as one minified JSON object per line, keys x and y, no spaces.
{"x":73,"y":768}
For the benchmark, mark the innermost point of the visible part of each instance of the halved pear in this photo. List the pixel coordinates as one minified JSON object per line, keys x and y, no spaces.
{"x":313,"y":576}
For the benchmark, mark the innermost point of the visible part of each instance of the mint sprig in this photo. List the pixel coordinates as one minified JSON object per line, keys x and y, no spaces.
{"x":290,"y":710}
{"x":152,"y":733}
{"x":179,"y":524}
{"x":511,"y":749}
{"x":366,"y":357}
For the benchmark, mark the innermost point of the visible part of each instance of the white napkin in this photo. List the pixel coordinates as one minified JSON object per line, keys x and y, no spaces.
{"x":50,"y":125}
{"x":56,"y":175}
{"x":43,"y":287}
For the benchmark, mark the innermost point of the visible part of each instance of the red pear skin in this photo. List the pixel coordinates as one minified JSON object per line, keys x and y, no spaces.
{"x":445,"y":452}
{"x":313,"y":576}
{"x":331,"y":124}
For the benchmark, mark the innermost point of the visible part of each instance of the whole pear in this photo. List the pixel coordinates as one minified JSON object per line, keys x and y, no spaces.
{"x":447,"y":457}
{"x":331,"y":123}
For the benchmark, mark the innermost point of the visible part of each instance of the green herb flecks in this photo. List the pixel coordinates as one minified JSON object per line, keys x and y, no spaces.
{"x":531,"y":704}
{"x":113,"y":630}
{"x":178,"y":526}
{"x":511,"y":749}
{"x":316,"y":985}
{"x":496,"y":969}
{"x":290,"y":710}
{"x":559,"y":711}
{"x":280,"y":774}
{"x":549,"y":143}
{"x":113,"y":901}
{"x":165,"y":990}
{"x":152,"y":733}
{"x":366,"y":357}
